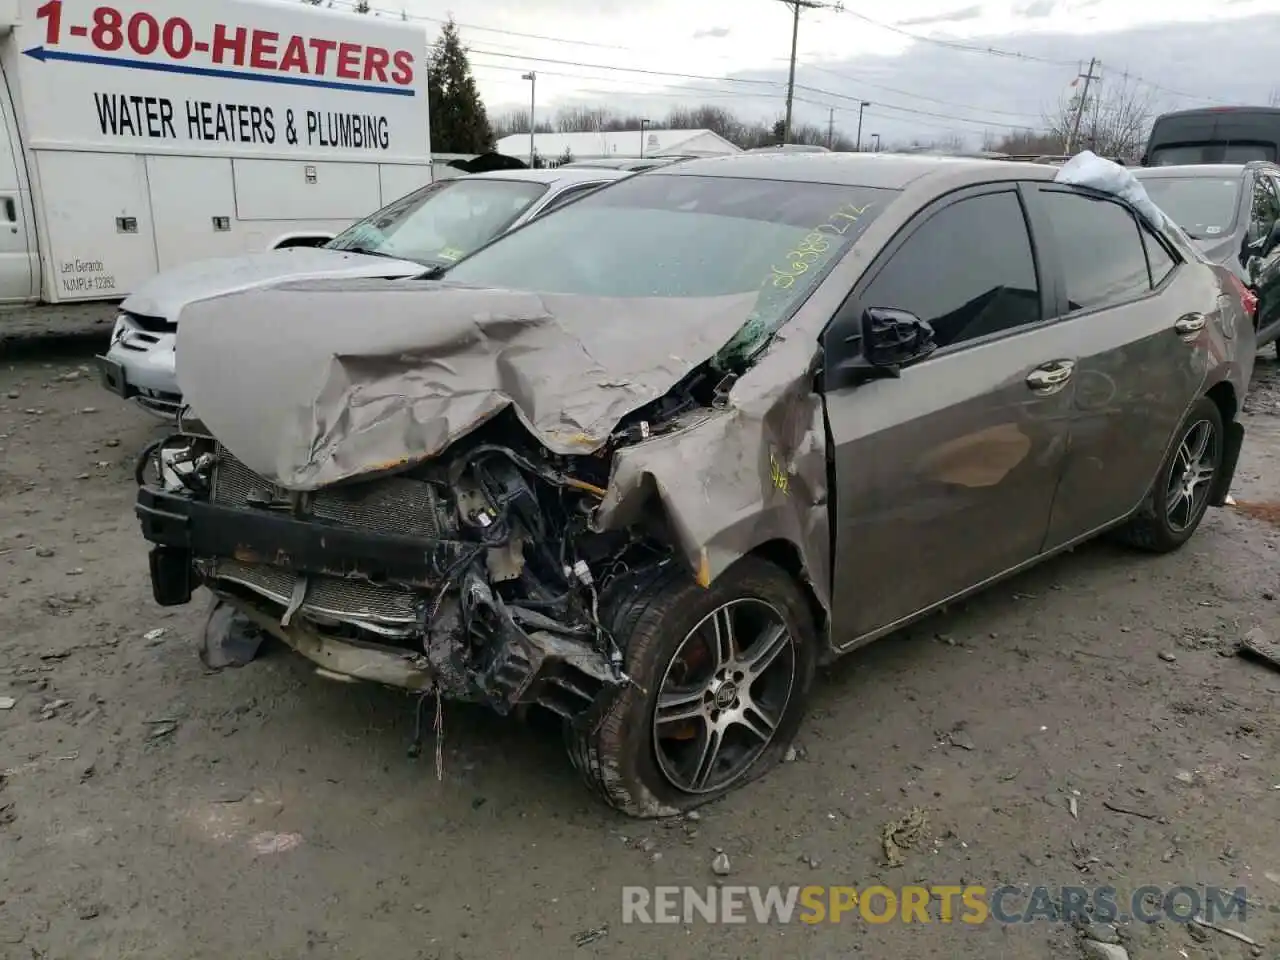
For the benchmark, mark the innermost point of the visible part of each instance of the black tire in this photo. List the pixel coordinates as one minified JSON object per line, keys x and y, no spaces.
{"x":1151,"y":528}
{"x":650,"y":617}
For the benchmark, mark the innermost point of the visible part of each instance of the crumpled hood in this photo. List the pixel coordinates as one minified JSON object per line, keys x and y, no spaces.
{"x":314,"y":383}
{"x":165,"y":294}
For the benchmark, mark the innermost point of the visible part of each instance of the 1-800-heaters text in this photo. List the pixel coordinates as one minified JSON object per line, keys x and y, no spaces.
{"x":145,"y":35}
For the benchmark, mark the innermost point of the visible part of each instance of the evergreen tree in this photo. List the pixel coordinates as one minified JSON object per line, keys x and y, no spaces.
{"x":459,"y":123}
{"x":361,"y":6}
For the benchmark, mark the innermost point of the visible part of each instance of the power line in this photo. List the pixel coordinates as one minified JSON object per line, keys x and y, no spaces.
{"x":918,"y":96}
{"x":710,"y":93}
{"x":1014,"y":55}
{"x":818,"y":91}
{"x":985,"y":50}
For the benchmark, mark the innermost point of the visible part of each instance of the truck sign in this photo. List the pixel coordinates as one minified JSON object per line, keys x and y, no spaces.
{"x":172,"y":76}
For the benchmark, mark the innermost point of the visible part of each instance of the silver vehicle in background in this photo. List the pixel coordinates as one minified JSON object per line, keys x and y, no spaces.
{"x":424,"y":230}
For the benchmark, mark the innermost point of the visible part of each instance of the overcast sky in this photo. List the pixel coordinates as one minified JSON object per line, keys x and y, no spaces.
{"x":909,"y":60}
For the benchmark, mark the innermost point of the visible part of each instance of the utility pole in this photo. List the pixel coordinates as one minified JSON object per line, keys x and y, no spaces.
{"x":1088,"y":78}
{"x":831,"y":129}
{"x":533,"y":101}
{"x":796,"y":6}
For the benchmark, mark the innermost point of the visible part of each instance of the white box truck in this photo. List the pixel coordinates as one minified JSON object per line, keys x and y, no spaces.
{"x":142,"y":134}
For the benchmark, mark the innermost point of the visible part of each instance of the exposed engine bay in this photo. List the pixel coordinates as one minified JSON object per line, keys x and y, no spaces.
{"x":479,"y":575}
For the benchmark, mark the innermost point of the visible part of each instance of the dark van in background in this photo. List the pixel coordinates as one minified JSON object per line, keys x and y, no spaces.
{"x":1214,"y":135}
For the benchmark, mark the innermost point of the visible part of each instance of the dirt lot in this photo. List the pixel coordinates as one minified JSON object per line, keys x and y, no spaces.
{"x":150,"y":808}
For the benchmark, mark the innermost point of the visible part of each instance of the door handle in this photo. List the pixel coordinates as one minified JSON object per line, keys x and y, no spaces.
{"x":1189,"y":324}
{"x":1051,"y":377}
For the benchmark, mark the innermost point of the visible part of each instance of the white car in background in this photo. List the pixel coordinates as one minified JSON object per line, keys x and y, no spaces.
{"x":431,"y":227}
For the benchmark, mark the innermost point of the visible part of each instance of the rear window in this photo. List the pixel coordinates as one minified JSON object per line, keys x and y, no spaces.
{"x":1214,"y":152}
{"x":686,"y":236}
{"x":1204,"y":207}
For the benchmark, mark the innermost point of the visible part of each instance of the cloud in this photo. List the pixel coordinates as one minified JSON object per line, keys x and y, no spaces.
{"x":932,"y":91}
{"x":1040,"y":8}
{"x":715,"y":33}
{"x":955,"y":16}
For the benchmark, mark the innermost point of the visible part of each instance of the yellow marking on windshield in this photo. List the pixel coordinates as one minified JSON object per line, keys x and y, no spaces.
{"x":450,"y":253}
{"x":815,"y":244}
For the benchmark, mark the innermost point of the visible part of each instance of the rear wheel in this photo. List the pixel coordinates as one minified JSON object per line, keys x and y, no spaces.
{"x":1180,"y":496}
{"x":721,"y":677}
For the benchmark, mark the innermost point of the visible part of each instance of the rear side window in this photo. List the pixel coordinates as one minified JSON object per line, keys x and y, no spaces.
{"x":968,"y":270}
{"x":1101,"y":250}
{"x":1158,"y":258}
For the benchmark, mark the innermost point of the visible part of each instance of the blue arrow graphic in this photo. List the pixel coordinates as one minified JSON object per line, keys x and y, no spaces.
{"x":157,"y":66}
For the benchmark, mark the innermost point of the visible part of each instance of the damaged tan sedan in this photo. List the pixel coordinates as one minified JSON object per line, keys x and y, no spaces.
{"x":647,"y":461}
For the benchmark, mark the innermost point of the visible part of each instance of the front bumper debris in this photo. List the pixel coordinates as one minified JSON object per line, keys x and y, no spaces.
{"x":195,"y":542}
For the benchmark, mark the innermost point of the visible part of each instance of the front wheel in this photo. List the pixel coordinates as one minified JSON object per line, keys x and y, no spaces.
{"x":721,"y":678}
{"x":1180,"y":496}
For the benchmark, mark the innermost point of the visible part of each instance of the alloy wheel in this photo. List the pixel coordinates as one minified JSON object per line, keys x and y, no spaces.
{"x":723,"y":695}
{"x":1194,"y":466}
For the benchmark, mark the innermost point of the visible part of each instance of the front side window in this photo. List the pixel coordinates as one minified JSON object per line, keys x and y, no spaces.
{"x":1103,"y":258}
{"x":662,"y":235}
{"x":442,"y":222}
{"x":968,"y":270}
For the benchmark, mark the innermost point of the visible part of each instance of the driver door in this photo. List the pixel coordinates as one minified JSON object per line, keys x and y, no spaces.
{"x":944,"y":477}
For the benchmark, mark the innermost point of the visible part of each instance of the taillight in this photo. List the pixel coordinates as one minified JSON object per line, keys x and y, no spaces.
{"x":1248,"y":299}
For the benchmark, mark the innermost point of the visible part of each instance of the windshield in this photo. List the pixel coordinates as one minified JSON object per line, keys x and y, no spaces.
{"x":1204,"y":207}
{"x":660,"y":235}
{"x":442,"y":222}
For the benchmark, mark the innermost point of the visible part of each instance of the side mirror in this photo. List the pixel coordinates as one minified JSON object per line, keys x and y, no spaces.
{"x":889,"y":339}
{"x":893,"y":338}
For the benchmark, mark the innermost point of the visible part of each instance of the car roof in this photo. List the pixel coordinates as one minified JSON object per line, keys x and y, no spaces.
{"x":552,"y":175}
{"x":886,"y":170}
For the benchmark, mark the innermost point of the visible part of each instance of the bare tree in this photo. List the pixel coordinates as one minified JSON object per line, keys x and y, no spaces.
{"x":949,"y":144}
{"x":582,"y":119}
{"x":1273,"y":100}
{"x":515,"y":121}
{"x":1023,"y":142}
{"x":1114,"y":119}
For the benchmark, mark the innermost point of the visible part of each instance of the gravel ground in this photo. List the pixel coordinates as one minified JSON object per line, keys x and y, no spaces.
{"x":150,"y":808}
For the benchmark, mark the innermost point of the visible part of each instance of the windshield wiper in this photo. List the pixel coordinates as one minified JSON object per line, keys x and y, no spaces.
{"x":367,"y":252}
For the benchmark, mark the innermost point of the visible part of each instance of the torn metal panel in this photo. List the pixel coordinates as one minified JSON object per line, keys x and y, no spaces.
{"x":751,"y":471}
{"x":315,"y":383}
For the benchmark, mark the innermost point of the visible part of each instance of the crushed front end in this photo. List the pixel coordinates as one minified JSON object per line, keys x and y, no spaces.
{"x":475,"y":576}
